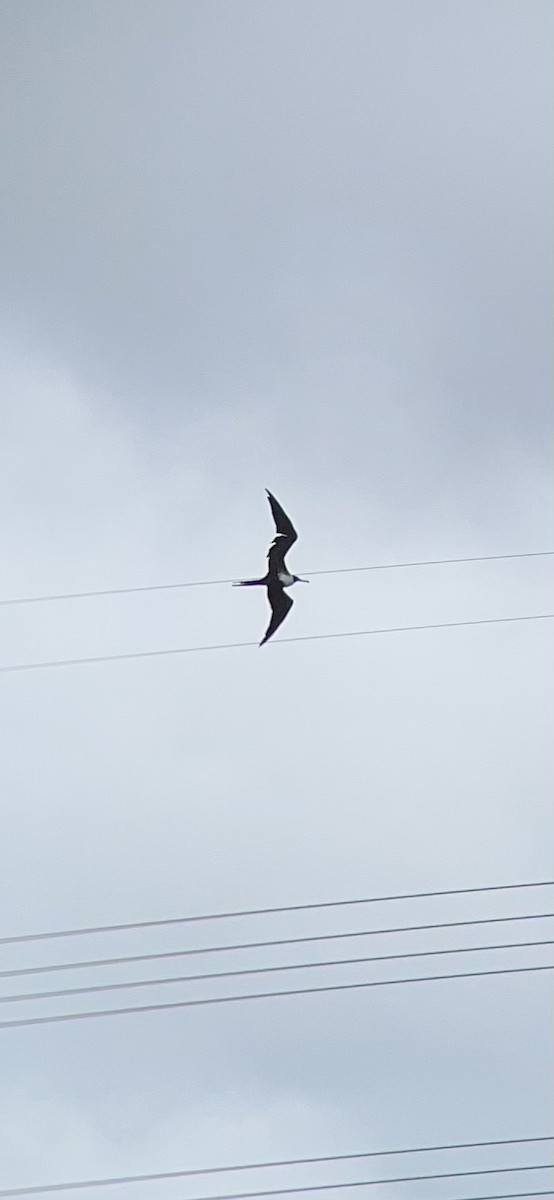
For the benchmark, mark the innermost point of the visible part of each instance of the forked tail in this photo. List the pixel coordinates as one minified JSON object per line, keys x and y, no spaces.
{"x":250,"y":583}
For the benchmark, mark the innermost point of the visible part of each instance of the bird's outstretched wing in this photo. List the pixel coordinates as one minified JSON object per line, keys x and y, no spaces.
{"x":283,"y":524}
{"x":286,"y":535}
{"x":280,"y":606}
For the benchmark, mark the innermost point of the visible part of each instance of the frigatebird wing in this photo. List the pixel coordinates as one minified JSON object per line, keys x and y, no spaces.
{"x":280,"y":606}
{"x":286,"y":536}
{"x":283,"y":524}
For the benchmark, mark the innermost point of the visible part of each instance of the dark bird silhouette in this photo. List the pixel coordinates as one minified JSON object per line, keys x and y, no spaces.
{"x":278,"y":576}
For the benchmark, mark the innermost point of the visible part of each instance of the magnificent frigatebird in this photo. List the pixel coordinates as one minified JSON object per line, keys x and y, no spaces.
{"x":278,"y":577}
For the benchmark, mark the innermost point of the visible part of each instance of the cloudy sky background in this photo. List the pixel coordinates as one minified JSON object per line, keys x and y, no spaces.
{"x":302,"y":245}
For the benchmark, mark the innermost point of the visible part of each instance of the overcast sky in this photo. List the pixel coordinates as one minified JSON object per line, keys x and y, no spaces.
{"x":301,"y":244}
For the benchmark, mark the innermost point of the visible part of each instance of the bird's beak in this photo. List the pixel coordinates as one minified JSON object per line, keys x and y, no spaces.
{"x":302,"y":580}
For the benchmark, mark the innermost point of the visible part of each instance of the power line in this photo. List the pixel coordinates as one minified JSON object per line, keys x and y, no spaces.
{"x":281,"y":908}
{"x":309,"y":637}
{"x":506,"y":1195}
{"x":318,"y":937}
{"x":164,"y":587}
{"x":335,"y":987}
{"x":496,"y":1196}
{"x":432,"y":562}
{"x":338,"y":962}
{"x":135,"y":983}
{"x":288,"y":1162}
{"x":328,"y":1187}
{"x":318,"y":1187}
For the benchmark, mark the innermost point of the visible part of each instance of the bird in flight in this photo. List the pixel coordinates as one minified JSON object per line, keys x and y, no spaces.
{"x":278,"y":577}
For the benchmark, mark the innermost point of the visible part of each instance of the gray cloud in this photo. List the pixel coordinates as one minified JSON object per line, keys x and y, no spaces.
{"x":300,"y":246}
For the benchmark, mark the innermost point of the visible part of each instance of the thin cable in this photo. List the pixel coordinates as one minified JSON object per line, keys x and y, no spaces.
{"x":310,"y":637}
{"x":318,"y":937}
{"x":506,"y":1195}
{"x":164,"y":587}
{"x":331,"y":1187}
{"x":321,"y":1187}
{"x":431,"y":562}
{"x":338,"y":962}
{"x":286,"y":1162}
{"x":262,"y":912}
{"x":335,"y":987}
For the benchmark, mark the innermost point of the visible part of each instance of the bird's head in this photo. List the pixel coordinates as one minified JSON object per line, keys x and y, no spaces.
{"x":297,"y":579}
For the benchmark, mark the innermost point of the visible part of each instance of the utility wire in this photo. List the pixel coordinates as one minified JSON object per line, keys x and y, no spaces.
{"x":318,"y":937}
{"x":322,"y":1187}
{"x":287,"y":1162}
{"x":281,"y":908}
{"x":328,"y":1187}
{"x":338,"y":962}
{"x":164,"y":587}
{"x":496,"y":1196}
{"x":310,"y":637}
{"x":506,"y":1195}
{"x":335,"y":987}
